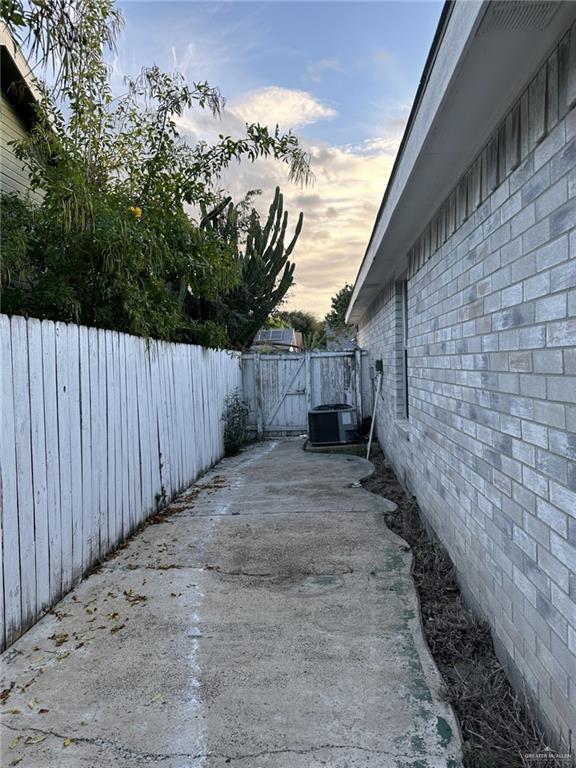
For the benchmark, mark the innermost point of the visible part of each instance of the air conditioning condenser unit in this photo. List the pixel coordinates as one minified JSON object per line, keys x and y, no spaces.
{"x":332,"y":424}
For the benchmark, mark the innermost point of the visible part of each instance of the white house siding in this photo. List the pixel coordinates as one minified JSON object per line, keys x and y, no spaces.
{"x":13,"y":174}
{"x":489,"y":448}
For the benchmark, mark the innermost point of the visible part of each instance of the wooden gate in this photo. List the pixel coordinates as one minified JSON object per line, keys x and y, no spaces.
{"x":280,"y":388}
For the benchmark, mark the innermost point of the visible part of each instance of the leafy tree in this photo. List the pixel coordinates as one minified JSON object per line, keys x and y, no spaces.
{"x":111,"y":244}
{"x":336,"y":318}
{"x":304,"y":322}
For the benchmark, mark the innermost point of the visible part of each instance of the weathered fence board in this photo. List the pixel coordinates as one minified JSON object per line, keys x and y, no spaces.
{"x":24,"y":481}
{"x":52,"y":461}
{"x":98,"y":429}
{"x":40,"y":481}
{"x":280,"y":389}
{"x":10,"y":548}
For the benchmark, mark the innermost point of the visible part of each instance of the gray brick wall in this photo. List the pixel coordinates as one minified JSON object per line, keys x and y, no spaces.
{"x":490,"y":445}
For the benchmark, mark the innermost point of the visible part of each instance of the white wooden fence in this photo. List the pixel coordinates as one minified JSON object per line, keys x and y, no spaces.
{"x":280,"y":388}
{"x":98,"y":429}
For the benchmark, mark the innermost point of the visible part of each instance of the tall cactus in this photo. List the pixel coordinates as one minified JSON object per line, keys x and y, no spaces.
{"x":266,"y":274}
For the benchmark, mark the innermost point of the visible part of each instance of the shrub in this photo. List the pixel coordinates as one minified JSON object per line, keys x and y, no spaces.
{"x":235,"y":418}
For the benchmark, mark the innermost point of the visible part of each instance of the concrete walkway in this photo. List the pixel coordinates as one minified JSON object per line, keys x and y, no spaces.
{"x":270,"y":622}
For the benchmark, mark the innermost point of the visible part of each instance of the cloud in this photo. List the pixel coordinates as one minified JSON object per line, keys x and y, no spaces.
{"x":381,"y":144}
{"x":381,"y":56}
{"x":283,"y":106}
{"x":315,"y":72}
{"x":339,"y":212}
{"x":339,"y":209}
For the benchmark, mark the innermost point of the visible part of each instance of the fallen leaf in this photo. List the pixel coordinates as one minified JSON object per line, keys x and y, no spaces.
{"x":14,"y":744}
{"x":35,"y":739}
{"x":5,"y":693}
{"x":114,"y":616}
{"x":117,"y":628}
{"x":17,"y":760}
{"x":59,"y":638}
{"x":83,"y":722}
{"x":62,"y":655}
{"x":43,"y":711}
{"x":32,"y":704}
{"x":27,"y":685}
{"x":14,"y":712}
{"x":67,"y":741}
{"x":91,"y":610}
{"x":134,"y":597}
{"x":156,"y":697}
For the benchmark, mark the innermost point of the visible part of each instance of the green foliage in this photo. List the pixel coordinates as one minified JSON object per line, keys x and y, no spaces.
{"x":261,"y":257}
{"x":121,"y":272}
{"x":63,"y":33}
{"x":306,"y":323}
{"x":336,"y":318}
{"x":111,"y":244}
{"x":235,"y":418}
{"x":16,"y":227}
{"x":315,"y":339}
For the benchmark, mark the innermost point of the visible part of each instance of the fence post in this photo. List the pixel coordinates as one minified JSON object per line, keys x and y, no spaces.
{"x":259,"y":396}
{"x":308,"y":381}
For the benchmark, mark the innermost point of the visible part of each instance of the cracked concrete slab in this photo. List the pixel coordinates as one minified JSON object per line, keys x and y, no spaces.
{"x":269,"y":621}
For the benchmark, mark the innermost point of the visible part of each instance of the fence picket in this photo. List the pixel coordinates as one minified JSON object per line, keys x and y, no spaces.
{"x":52,"y":459}
{"x":95,"y":438}
{"x":8,"y":490}
{"x":124,"y":438}
{"x":63,"y":394}
{"x":39,"y":478}
{"x":110,"y":447}
{"x":22,"y":424}
{"x":75,"y":448}
{"x":85,"y":447}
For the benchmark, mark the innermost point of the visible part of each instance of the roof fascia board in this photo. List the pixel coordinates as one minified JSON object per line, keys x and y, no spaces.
{"x":20,"y":62}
